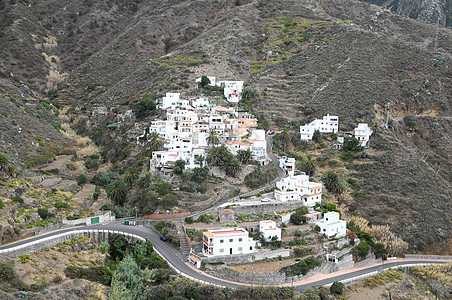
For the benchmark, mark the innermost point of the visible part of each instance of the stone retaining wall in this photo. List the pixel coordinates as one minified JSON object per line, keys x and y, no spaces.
{"x":247,"y":258}
{"x":261,"y":278}
{"x":427,"y":256}
{"x":97,"y":235}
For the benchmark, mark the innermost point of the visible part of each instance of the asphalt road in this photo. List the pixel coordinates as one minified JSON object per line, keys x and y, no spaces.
{"x":179,"y":262}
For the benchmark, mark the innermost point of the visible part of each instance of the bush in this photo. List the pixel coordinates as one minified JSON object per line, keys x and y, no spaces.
{"x":169,"y":200}
{"x":44,"y":213}
{"x":99,"y":274}
{"x":189,"y":220}
{"x":92,"y":161}
{"x":302,"y":267}
{"x":362,"y":248}
{"x":337,"y":288}
{"x":81,"y":179}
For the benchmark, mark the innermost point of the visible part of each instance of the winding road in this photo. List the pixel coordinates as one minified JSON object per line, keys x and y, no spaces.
{"x":179,"y":263}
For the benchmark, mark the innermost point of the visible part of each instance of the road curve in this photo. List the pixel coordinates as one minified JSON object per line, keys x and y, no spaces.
{"x":180,"y":263}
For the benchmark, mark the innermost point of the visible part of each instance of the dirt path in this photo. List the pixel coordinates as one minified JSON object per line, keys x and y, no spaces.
{"x":58,"y":163}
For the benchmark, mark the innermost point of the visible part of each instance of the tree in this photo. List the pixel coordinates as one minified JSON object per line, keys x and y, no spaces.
{"x":117,"y":192}
{"x":169,"y":200}
{"x":205,"y":81}
{"x":144,"y":106}
{"x":155,"y":141}
{"x":130,"y":176}
{"x":233,"y":168}
{"x":298,"y":216}
{"x":212,"y":138}
{"x":118,"y":245}
{"x":213,"y":156}
{"x":285,"y":137}
{"x":308,"y":165}
{"x":317,"y":136}
{"x":244,"y":156}
{"x":352,"y":145}
{"x":440,"y":290}
{"x":126,"y":282}
{"x":4,"y":160}
{"x":179,"y":167}
{"x":332,"y":183}
{"x":362,"y":248}
{"x":352,"y":236}
{"x":200,"y":160}
{"x":337,"y":288}
{"x":380,"y":250}
{"x":249,"y":93}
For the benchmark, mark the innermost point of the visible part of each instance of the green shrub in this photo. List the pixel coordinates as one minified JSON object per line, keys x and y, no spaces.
{"x":337,"y":288}
{"x":362,"y":248}
{"x":44,"y":213}
{"x":81,"y":179}
{"x":24,"y":258}
{"x":302,"y":267}
{"x":99,"y":274}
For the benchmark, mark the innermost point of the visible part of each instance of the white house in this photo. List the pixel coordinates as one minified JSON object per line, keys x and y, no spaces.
{"x":235,"y":146}
{"x":259,"y":145}
{"x":200,"y":102}
{"x":327,"y":124}
{"x":362,"y":133}
{"x":227,"y":241}
{"x":287,"y":164}
{"x":298,"y":188}
{"x":331,"y":225}
{"x":285,"y":217}
{"x":169,"y":100}
{"x":269,"y":230}
{"x":232,"y":90}
{"x":163,"y":157}
{"x":213,"y":80}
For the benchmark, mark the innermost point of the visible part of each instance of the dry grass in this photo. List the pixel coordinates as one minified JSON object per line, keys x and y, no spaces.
{"x":87,"y":151}
{"x":382,"y":234}
{"x":440,"y":273}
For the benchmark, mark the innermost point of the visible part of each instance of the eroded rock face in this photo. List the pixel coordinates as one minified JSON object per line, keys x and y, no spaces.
{"x":431,"y":11}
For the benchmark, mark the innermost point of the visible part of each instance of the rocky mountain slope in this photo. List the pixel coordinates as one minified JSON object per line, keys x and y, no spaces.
{"x":343,"y":57}
{"x":430,"y":11}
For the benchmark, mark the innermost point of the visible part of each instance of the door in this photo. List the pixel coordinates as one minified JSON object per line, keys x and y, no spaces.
{"x":230,"y":250}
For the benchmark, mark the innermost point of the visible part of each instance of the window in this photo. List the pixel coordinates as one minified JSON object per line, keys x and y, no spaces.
{"x":221,"y":250}
{"x":324,"y":229}
{"x":221,"y":241}
{"x":240,"y":239}
{"x":231,"y":240}
{"x":251,"y":248}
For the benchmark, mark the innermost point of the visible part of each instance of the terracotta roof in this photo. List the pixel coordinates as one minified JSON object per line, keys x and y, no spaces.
{"x":195,"y":258}
{"x":208,"y":234}
{"x":227,"y":211}
{"x":238,"y":143}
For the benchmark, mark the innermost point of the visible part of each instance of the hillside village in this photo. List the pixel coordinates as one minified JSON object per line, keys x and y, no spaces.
{"x":198,"y":150}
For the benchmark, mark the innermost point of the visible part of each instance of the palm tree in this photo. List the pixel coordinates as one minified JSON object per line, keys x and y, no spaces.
{"x":155,"y":141}
{"x":117,"y":192}
{"x":212,"y":138}
{"x":309,"y":166}
{"x":214,"y":156}
{"x":200,"y":160}
{"x":130,"y":176}
{"x":285,"y":137}
{"x":244,"y":155}
{"x":233,"y":167}
{"x":332,"y":182}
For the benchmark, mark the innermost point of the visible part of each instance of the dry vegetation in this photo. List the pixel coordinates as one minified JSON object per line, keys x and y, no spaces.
{"x":382,"y":234}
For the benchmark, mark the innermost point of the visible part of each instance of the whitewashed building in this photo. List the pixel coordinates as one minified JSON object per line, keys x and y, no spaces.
{"x":287,"y":164}
{"x":298,"y":188}
{"x":269,"y":230}
{"x":362,"y":133}
{"x":227,"y":241}
{"x":169,"y":100}
{"x":232,"y":90}
{"x":331,"y":225}
{"x":327,"y":124}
